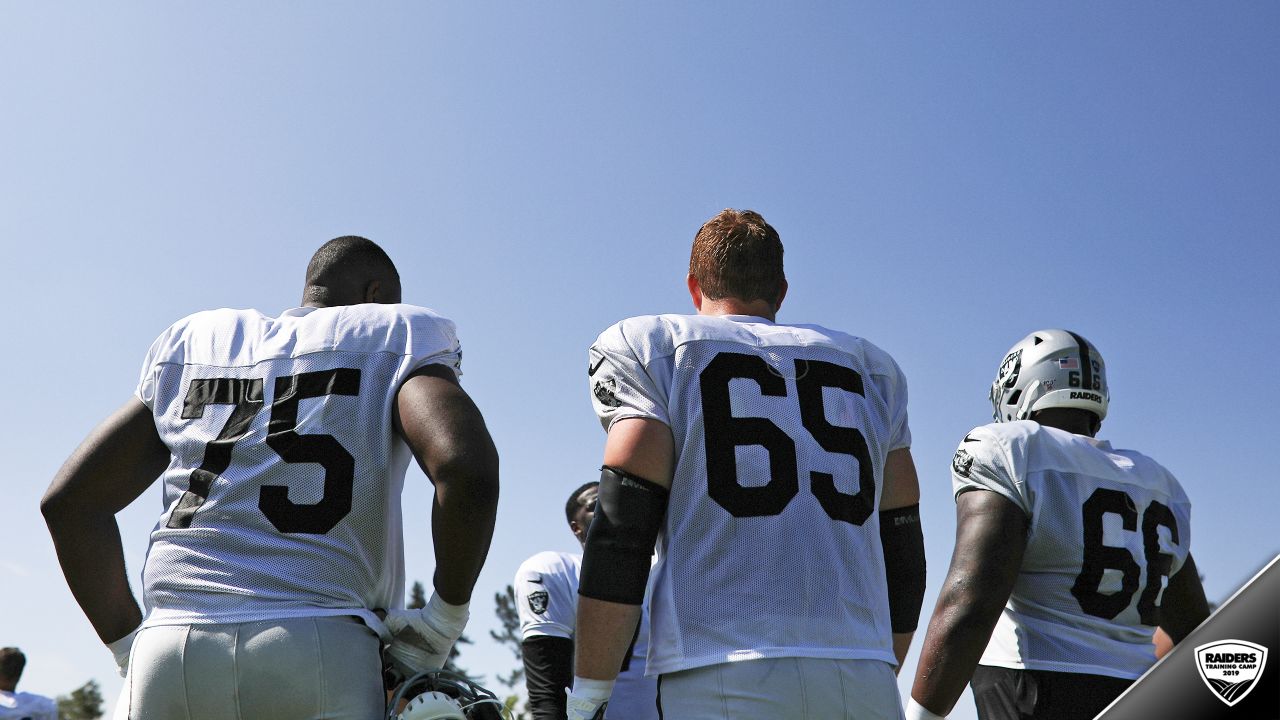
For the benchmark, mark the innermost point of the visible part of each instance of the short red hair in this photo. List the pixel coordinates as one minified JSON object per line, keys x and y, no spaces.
{"x":737,"y":254}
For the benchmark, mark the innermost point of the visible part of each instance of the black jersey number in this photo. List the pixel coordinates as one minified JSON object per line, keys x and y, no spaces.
{"x":1098,"y":557}
{"x":724,"y":433}
{"x":282,"y":436}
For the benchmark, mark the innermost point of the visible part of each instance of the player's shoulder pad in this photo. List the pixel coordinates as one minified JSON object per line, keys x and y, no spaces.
{"x":642,"y":337}
{"x":190,"y":334}
{"x":1153,"y":468}
{"x":548,"y":562}
{"x":401,"y":328}
{"x":397,"y":318}
{"x":992,"y":455}
{"x":875,"y":359}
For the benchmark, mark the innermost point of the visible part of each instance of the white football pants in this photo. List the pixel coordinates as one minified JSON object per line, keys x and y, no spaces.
{"x":314,"y":668}
{"x":792,"y":688}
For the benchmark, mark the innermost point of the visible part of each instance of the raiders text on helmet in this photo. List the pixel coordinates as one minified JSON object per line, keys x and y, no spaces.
{"x":1048,"y":369}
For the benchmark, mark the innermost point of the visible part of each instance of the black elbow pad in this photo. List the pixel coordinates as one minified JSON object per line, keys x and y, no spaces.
{"x":629,"y":511}
{"x":903,"y":543}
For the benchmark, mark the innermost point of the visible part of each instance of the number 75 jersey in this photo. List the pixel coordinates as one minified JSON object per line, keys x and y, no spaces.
{"x":1106,"y":528}
{"x":771,"y":545}
{"x":282,"y":496}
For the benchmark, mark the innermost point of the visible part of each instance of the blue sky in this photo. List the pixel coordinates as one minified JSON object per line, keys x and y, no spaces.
{"x":946,"y":179}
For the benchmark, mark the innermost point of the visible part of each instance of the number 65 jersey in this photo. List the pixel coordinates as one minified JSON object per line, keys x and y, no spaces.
{"x":282,"y":496}
{"x":771,"y":544}
{"x":1106,"y":528}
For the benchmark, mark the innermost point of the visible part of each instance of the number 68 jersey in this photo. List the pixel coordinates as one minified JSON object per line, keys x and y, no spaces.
{"x":771,"y":544}
{"x":282,"y":495}
{"x":1106,"y":529}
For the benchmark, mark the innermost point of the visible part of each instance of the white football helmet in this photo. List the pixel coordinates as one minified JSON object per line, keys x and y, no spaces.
{"x":443,"y":695}
{"x":1048,"y":369}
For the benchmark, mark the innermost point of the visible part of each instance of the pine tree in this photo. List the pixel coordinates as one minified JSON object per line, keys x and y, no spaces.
{"x":417,"y":596}
{"x":510,"y":635}
{"x":83,"y":703}
{"x":505,"y":609}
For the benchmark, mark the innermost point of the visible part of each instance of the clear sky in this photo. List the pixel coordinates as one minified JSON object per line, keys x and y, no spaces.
{"x":946,"y":178}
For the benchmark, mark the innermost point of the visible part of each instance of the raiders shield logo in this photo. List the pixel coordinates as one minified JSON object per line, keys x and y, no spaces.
{"x":538,"y":601}
{"x":1231,"y":668}
{"x":1009,"y":369}
{"x":961,"y":462}
{"x":605,"y":391}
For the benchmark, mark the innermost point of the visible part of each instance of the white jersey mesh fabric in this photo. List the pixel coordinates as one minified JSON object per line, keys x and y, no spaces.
{"x":1107,"y":529}
{"x":26,"y":706}
{"x":282,"y":498}
{"x":546,"y":588}
{"x":771,"y":545}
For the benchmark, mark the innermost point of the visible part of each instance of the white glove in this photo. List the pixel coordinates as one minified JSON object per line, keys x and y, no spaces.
{"x":916,"y":711}
{"x":588,"y":699}
{"x":121,"y":649}
{"x":421,"y":639}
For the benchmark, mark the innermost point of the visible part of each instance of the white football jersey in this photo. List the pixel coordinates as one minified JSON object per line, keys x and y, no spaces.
{"x":547,"y":600}
{"x":26,"y":706}
{"x":771,"y":542}
{"x":1106,"y":529}
{"x":282,"y":497}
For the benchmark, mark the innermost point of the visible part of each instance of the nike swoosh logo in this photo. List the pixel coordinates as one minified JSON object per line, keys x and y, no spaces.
{"x":970,"y":439}
{"x":591,"y":369}
{"x":536,"y":580}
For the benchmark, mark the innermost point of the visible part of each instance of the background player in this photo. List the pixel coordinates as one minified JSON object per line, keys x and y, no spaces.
{"x":1063,"y":546}
{"x":16,"y":705}
{"x":547,"y":599}
{"x":772,"y":463}
{"x":282,"y":445}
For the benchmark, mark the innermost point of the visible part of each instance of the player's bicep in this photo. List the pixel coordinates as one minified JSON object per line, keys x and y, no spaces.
{"x":119,"y":460}
{"x":643,"y":447}
{"x":441,"y":424}
{"x":991,"y":535}
{"x":901,"y":485}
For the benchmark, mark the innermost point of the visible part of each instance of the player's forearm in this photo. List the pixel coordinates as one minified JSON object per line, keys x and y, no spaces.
{"x":901,"y":645}
{"x":548,"y":672}
{"x":990,"y":540}
{"x":462,"y":521}
{"x":121,"y":457}
{"x":958,"y":633}
{"x":92,"y":559}
{"x":604,"y":633}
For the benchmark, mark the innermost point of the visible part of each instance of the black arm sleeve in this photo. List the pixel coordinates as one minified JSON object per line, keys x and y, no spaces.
{"x":629,"y":512}
{"x":548,"y":671}
{"x":903,"y":565}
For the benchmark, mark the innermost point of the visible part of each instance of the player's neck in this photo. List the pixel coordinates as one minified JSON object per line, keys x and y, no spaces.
{"x":734,"y":306}
{"x":1077,"y":422}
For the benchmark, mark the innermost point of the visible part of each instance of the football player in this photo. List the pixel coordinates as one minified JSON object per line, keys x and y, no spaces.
{"x":282,"y":444}
{"x":1072,"y":551}
{"x":20,"y":705}
{"x":771,"y":464}
{"x":546,"y":588}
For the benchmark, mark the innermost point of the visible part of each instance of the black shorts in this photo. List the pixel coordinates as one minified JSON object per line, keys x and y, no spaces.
{"x":1007,"y":694}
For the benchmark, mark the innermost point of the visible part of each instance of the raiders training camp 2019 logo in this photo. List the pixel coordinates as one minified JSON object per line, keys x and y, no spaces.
{"x":1231,"y":668}
{"x":538,"y":601}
